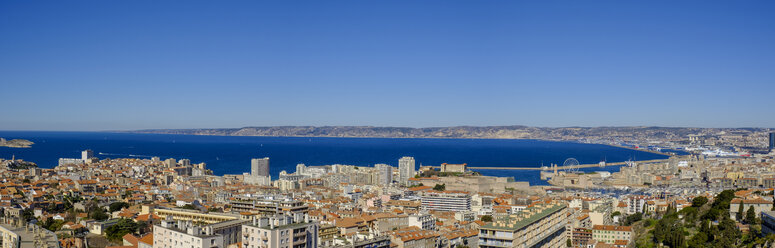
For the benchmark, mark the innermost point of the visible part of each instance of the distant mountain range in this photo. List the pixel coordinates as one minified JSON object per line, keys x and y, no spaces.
{"x":487,"y":132}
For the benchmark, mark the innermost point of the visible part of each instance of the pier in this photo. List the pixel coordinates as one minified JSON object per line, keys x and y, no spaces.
{"x":564,"y":167}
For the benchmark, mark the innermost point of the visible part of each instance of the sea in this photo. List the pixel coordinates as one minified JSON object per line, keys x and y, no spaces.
{"x":232,"y":154}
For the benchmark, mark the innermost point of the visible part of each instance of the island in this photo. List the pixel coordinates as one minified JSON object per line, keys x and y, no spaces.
{"x":16,"y":143}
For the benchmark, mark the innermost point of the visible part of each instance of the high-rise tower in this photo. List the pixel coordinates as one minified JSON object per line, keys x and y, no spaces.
{"x":385,"y":174}
{"x":259,"y":167}
{"x":772,"y":141}
{"x":86,"y":155}
{"x":405,"y":170}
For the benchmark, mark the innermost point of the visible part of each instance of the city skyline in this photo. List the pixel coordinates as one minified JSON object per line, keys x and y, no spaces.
{"x":94,"y":66}
{"x":387,"y":124}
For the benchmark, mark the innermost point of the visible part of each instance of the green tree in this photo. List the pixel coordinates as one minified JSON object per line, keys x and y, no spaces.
{"x":689,"y":214}
{"x":669,"y":231}
{"x":51,"y":224}
{"x":568,"y":243}
{"x":670,"y":210}
{"x":675,"y":239}
{"x":99,"y":214}
{"x":614,"y":214}
{"x":116,"y":206}
{"x":727,"y":233}
{"x":122,"y":227}
{"x":699,"y":201}
{"x":750,"y":215}
{"x":739,"y":214}
{"x":661,"y":230}
{"x":28,"y":214}
{"x":440,"y":187}
{"x":189,"y":207}
{"x":486,"y":218}
{"x":633,"y":218}
{"x":698,"y":240}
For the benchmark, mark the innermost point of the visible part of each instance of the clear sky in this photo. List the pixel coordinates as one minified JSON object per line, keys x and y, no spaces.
{"x":108,"y":65}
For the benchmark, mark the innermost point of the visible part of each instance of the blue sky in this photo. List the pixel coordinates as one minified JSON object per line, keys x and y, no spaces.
{"x":107,"y":65}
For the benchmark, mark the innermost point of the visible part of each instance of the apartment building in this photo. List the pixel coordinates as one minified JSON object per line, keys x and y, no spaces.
{"x":269,"y":206}
{"x":413,"y":237}
{"x":185,"y":234}
{"x":280,"y":232}
{"x":16,"y":234}
{"x":758,"y":205}
{"x":446,"y":201}
{"x":768,"y":222}
{"x":611,"y":234}
{"x":540,"y":225}
{"x":423,"y":221}
{"x":193,"y":215}
{"x":635,"y":204}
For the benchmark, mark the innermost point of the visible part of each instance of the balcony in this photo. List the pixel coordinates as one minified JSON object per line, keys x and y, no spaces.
{"x":300,"y":241}
{"x":494,"y":243}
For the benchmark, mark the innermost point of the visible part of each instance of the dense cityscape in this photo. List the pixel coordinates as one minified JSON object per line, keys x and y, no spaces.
{"x":387,"y":124}
{"x":693,"y":200}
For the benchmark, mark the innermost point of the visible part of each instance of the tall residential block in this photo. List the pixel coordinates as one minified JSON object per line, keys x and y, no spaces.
{"x":385,"y":174}
{"x":171,"y":162}
{"x":86,"y":155}
{"x":259,"y":167}
{"x":772,"y":141}
{"x":406,"y":170}
{"x":542,"y":225}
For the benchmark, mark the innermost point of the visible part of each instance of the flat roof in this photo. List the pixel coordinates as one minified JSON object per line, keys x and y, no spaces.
{"x":27,"y":238}
{"x":510,"y":223}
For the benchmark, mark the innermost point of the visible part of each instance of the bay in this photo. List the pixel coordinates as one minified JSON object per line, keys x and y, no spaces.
{"x":232,"y":154}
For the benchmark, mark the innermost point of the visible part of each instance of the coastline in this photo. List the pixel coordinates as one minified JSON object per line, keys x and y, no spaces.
{"x":380,"y":137}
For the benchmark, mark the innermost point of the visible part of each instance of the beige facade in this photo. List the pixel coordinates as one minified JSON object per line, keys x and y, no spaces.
{"x":453,"y":167}
{"x":182,"y":234}
{"x":279,"y":233}
{"x":542,"y":225}
{"x":194,"y":216}
{"x":610,"y":234}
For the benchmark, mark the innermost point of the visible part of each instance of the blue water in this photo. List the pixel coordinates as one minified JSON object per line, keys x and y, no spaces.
{"x":232,"y":154}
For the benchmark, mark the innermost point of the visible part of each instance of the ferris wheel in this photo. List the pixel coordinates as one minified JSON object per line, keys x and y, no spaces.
{"x":571,"y":165}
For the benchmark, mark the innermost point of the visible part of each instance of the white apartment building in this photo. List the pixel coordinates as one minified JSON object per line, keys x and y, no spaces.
{"x":635,"y":204}
{"x":406,"y":168}
{"x":423,"y":221}
{"x":279,"y":232}
{"x":184,"y":234}
{"x":446,"y":201}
